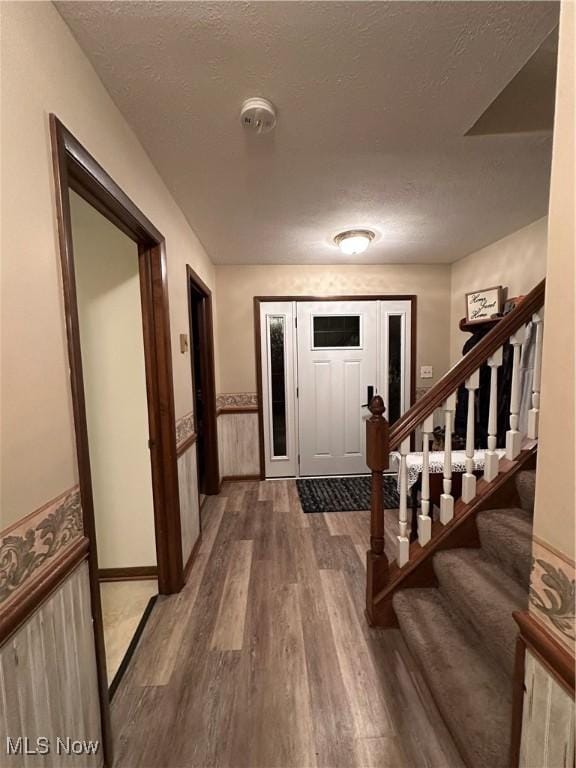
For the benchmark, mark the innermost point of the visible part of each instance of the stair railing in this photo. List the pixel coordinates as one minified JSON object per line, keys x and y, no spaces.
{"x":381,"y":439}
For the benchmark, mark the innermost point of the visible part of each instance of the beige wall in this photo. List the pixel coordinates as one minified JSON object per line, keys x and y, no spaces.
{"x":517,"y":262}
{"x":236,"y":287}
{"x":109,"y":308}
{"x":555,"y":488}
{"x":43,"y":71}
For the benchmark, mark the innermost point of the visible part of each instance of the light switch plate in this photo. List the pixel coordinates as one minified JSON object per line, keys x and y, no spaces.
{"x":426,"y":372}
{"x":183,"y":343}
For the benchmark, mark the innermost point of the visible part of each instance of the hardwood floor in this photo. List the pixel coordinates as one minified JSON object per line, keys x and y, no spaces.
{"x":265,"y":659}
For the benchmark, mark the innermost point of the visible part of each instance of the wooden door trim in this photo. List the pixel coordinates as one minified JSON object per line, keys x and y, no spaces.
{"x":74,"y":168}
{"x":206,"y":332}
{"x":412,"y":298}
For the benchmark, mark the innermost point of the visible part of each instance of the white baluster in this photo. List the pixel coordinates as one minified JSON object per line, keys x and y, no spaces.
{"x":491,"y":458}
{"x":403,"y":540}
{"x":514,"y":436}
{"x":446,"y":499}
{"x":424,"y":519}
{"x":534,"y":412}
{"x":469,"y":478}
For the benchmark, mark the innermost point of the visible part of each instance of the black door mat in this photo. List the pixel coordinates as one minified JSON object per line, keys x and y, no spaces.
{"x":343,"y":494}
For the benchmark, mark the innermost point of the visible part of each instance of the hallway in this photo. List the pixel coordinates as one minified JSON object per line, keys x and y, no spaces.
{"x":265,"y":658}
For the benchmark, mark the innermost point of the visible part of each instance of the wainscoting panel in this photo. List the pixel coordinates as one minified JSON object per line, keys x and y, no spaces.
{"x":48,"y":684}
{"x":548,"y":720}
{"x":238,"y":445}
{"x":189,"y":505}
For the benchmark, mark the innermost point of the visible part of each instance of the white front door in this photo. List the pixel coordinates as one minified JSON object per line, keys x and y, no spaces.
{"x":338,"y":360}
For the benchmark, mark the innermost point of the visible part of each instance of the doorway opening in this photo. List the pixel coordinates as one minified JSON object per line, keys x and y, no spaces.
{"x":112,"y":343}
{"x":77,"y":173}
{"x":319,"y":362}
{"x":203,"y":383}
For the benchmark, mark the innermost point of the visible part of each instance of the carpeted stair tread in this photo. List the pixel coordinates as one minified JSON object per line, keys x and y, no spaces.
{"x":506,"y":537}
{"x":471,"y":692}
{"x":483,"y":595}
{"x":526,"y":487}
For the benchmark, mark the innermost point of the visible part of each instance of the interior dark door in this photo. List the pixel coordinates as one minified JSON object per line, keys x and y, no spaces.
{"x":199,"y":398}
{"x":203,"y":383}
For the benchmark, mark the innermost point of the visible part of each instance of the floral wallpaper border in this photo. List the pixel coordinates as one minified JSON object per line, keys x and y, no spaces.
{"x":184,"y":428}
{"x":552,"y":593}
{"x":237,"y":400}
{"x":27,"y":547}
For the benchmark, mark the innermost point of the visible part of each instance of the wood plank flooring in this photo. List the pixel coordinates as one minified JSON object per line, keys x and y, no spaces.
{"x":265,"y":659}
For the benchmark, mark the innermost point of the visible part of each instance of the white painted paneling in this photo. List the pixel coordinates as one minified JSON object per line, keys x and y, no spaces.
{"x":189,"y":501}
{"x":48,"y":683}
{"x":353,"y":427}
{"x":322,"y":389}
{"x":238,"y":444}
{"x":547,"y":720}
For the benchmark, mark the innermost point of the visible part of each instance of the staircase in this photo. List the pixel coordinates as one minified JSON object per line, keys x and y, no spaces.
{"x":462,"y":634}
{"x":462,"y":568}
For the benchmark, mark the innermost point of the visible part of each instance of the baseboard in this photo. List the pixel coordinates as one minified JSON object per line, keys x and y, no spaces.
{"x":134,"y":573}
{"x":192,"y":557}
{"x":239,"y":479}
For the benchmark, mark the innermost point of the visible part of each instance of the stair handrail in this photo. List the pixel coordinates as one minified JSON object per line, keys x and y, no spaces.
{"x":466,"y":366}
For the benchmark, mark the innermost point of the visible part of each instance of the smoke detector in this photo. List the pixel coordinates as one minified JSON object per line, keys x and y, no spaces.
{"x":258,"y":115}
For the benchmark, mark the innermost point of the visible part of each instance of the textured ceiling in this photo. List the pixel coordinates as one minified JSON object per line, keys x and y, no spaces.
{"x":374,"y":101}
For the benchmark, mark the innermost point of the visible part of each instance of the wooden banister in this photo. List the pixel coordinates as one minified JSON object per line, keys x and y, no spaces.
{"x":493,"y":340}
{"x":383,"y":577}
{"x":377,"y":452}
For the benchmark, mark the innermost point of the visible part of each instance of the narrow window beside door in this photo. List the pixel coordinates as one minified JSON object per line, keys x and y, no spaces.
{"x":278,"y":385}
{"x":395,"y":368}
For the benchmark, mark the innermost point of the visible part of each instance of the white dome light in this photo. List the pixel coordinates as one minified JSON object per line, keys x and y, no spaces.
{"x":354,"y":242}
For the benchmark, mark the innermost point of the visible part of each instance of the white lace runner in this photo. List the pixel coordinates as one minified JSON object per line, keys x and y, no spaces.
{"x":414,"y":463}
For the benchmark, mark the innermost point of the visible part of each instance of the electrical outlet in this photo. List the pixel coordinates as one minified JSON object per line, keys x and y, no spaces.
{"x":426,"y":372}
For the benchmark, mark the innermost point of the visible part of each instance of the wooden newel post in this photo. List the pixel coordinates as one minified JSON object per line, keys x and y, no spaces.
{"x":377,"y":452}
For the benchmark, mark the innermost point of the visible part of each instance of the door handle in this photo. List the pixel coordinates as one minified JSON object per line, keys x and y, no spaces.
{"x":369,"y":395}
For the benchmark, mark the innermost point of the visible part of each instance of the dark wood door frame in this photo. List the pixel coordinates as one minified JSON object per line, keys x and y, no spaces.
{"x":198,"y":291}
{"x":76,"y":169}
{"x":258,"y":347}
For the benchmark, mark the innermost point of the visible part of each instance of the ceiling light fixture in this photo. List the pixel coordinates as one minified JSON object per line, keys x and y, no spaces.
{"x":354,"y":241}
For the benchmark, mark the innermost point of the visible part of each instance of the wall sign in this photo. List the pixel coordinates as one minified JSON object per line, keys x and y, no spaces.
{"x":484,"y":304}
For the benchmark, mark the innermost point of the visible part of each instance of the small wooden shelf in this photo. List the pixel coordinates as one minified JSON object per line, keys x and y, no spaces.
{"x":474,"y":327}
